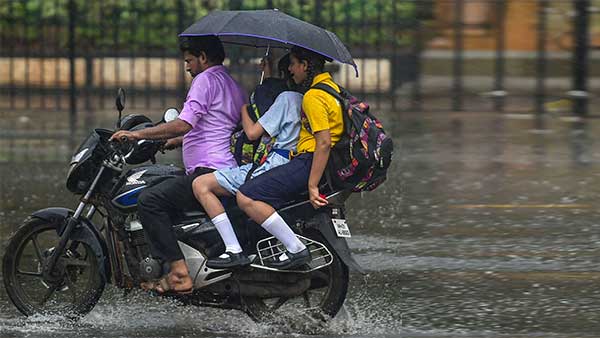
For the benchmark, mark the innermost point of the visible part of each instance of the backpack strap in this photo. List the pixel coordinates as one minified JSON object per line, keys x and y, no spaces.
{"x":330,"y":91}
{"x":343,"y":102}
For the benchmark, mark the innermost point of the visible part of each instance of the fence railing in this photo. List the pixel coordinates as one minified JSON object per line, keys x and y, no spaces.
{"x":70,"y":56}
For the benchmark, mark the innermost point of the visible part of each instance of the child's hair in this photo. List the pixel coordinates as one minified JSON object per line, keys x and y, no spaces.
{"x":316,"y":63}
{"x":283,"y":66}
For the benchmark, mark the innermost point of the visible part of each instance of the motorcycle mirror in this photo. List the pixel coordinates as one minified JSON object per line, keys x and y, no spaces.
{"x":170,"y":114}
{"x":120,"y":102}
{"x":120,"y":99}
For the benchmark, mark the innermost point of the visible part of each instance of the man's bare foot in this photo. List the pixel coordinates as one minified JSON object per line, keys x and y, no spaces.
{"x":178,"y":280}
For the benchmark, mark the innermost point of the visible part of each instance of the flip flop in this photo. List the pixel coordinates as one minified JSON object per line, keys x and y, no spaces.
{"x":164,"y":288}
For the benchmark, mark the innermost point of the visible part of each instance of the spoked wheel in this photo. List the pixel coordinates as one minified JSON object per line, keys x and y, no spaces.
{"x":77,"y":284}
{"x":322,"y":301}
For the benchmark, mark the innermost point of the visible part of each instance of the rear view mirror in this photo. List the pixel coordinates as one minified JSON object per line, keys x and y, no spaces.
{"x":120,"y":105}
{"x":170,"y":114}
{"x":120,"y":99}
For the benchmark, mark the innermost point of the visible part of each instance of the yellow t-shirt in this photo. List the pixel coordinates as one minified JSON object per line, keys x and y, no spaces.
{"x":320,"y":111}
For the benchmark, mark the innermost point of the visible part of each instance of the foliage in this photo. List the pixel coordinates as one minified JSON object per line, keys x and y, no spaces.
{"x":147,"y":26}
{"x":357,"y":22}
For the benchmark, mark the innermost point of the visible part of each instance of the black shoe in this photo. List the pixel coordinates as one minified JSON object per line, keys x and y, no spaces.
{"x":233,"y":260}
{"x":293,"y":260}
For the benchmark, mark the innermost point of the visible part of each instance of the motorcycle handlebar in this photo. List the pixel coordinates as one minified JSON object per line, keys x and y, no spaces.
{"x":122,"y":146}
{"x":125,"y":148}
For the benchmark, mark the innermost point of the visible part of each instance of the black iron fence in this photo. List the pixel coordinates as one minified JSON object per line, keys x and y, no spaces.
{"x":61,"y":61}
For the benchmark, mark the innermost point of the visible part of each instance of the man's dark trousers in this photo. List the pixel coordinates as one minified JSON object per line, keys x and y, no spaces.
{"x":158,"y":204}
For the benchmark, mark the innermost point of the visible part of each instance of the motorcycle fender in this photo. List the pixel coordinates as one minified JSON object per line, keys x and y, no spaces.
{"x":325,"y":226}
{"x":85,"y":232}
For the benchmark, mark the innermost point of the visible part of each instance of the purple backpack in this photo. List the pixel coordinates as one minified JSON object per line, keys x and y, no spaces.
{"x":359,"y":161}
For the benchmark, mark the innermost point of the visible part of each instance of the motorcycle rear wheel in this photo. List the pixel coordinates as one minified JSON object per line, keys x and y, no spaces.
{"x":320,"y":302}
{"x":79,"y":287}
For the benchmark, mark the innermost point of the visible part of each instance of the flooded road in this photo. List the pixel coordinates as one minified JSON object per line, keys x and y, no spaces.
{"x":486,"y":227}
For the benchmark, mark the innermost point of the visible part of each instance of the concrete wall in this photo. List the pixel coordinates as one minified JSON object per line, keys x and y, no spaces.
{"x":154,"y":72}
{"x":54,"y":72}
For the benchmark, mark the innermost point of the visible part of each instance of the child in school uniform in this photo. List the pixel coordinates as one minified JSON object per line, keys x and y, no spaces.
{"x":281,"y":121}
{"x":321,"y":127}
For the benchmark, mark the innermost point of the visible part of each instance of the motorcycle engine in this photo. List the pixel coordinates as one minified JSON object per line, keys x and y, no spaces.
{"x":150,"y":269}
{"x":136,"y":236}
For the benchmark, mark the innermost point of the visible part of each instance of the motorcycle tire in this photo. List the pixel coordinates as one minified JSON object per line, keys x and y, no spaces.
{"x":333,"y":278}
{"x":73,"y":296}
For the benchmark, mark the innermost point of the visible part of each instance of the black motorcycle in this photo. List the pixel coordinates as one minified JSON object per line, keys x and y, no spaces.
{"x":59,"y":260}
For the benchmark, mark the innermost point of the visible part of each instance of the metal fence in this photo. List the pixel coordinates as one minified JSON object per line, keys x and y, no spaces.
{"x":61,"y":61}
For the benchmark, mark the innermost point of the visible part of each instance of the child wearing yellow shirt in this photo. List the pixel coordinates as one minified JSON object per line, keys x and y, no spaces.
{"x":321,"y":127}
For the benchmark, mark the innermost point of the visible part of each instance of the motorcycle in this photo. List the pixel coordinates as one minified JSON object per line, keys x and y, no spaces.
{"x":60,"y":260}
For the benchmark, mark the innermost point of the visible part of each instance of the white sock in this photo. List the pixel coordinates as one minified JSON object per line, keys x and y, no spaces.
{"x":223,"y":225}
{"x":278,"y":228}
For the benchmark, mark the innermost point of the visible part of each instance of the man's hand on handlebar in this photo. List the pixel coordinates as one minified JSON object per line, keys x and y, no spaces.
{"x":125,"y":136}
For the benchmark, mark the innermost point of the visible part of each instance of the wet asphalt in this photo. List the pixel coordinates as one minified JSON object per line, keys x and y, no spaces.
{"x":486,"y":227}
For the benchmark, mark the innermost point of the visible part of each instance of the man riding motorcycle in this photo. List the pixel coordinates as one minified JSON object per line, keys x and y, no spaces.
{"x":210,"y":114}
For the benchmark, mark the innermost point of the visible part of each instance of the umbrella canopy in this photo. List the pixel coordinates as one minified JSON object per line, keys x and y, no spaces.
{"x":270,"y":28}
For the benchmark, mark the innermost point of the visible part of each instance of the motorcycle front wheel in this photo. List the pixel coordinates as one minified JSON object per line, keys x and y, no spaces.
{"x":72,"y":294}
{"x":320,"y":302}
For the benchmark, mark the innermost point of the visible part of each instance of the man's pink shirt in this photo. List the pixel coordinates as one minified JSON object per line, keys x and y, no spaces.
{"x":212,"y":108}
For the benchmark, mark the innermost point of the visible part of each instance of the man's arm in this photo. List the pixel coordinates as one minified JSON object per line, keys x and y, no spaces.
{"x":252,"y":129}
{"x":173,"y":143}
{"x":164,"y":131}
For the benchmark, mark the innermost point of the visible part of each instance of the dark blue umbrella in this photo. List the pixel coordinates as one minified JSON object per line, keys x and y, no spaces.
{"x":270,"y":28}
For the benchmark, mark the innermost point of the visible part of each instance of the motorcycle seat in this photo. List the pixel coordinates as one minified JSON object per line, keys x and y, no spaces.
{"x":334,"y":196}
{"x":194,"y":214}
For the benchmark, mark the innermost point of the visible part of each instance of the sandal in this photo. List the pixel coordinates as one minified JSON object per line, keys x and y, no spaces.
{"x":162,"y":287}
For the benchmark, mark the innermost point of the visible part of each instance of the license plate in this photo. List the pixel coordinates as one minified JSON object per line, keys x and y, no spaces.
{"x":341,"y":227}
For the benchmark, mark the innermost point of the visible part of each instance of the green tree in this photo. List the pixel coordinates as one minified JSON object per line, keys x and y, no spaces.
{"x":151,"y":26}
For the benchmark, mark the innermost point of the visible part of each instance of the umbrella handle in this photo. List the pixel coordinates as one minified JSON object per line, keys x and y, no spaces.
{"x":262,"y":73}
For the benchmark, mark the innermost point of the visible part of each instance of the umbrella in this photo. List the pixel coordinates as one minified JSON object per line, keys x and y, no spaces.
{"x":271,"y":28}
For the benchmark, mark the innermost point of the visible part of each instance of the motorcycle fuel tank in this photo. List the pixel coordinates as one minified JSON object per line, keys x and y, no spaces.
{"x":139,"y":178}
